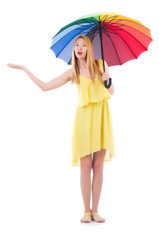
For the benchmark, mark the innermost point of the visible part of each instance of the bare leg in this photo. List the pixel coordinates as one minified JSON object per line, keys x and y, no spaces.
{"x":98,"y":162}
{"x":85,"y":180}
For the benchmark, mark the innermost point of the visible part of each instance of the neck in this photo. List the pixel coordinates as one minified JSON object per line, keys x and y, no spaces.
{"x":82,"y":63}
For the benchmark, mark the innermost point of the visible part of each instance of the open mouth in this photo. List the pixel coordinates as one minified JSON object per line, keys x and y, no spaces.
{"x":79,"y":53}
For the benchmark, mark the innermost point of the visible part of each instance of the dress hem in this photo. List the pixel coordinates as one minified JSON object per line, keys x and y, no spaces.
{"x":78,"y":164}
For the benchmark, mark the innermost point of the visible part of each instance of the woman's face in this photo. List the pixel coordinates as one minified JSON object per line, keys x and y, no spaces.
{"x":80,"y":49}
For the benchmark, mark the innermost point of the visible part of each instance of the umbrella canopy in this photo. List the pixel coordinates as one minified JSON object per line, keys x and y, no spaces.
{"x":115,"y":38}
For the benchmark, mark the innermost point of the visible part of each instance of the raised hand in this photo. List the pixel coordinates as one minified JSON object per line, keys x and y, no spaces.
{"x":16,"y":66}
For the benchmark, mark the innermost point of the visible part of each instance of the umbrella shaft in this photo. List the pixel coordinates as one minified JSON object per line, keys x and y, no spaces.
{"x":101,"y":42}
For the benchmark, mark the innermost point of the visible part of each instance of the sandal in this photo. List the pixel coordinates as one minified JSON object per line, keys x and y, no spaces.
{"x":96,"y":215}
{"x":86,"y":214}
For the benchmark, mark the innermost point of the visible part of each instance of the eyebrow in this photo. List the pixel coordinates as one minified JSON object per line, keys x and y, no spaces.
{"x":82,"y":43}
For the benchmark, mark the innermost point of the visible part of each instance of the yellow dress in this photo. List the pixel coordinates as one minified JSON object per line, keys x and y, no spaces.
{"x":92,"y":129}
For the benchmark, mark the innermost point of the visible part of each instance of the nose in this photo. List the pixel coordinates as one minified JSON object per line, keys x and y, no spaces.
{"x":80,"y":47}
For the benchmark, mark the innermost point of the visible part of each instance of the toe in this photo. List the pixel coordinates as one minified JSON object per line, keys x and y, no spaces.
{"x":84,"y":219}
{"x":97,"y":218}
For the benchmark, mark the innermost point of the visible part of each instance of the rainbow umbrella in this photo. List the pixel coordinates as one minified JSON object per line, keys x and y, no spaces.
{"x":115,"y":38}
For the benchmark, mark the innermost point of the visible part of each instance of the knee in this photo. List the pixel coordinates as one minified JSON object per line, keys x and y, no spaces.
{"x":86,"y":167}
{"x":98,"y":168}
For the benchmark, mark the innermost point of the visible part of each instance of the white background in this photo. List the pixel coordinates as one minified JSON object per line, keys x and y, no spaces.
{"x":40,"y":192}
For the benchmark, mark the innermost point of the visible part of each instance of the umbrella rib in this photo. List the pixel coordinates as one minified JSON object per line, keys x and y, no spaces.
{"x":82,"y":25}
{"x":132,"y":28}
{"x":104,"y":18}
{"x":132,"y":36}
{"x":120,"y":25}
{"x":95,"y":34}
{"x":90,"y":22}
{"x":118,"y":28}
{"x":126,"y":44}
{"x":68,"y":43}
{"x":112,"y":20}
{"x":114,"y":47}
{"x":136,"y":22}
{"x":94,"y":31}
{"x":94,"y":20}
{"x":140,"y":24}
{"x":76,"y":23}
{"x":69,"y":62}
{"x":70,"y":32}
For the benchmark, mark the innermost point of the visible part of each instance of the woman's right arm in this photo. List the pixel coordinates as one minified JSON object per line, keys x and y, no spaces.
{"x":45,"y":86}
{"x":59,"y":81}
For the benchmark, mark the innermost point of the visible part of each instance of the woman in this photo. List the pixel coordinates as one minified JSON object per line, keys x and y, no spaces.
{"x":92,"y":132}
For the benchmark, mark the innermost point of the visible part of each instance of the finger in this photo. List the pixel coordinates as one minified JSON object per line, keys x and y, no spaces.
{"x":10,"y":65}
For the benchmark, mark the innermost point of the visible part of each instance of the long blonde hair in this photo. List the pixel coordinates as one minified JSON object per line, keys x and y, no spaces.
{"x":93,"y":65}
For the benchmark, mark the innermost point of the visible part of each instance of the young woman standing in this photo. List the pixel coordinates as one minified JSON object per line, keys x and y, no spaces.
{"x":92,"y":139}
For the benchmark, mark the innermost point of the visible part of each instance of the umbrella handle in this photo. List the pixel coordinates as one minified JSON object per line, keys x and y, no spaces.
{"x":110,"y":82}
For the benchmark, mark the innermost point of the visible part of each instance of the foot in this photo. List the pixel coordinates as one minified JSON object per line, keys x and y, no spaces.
{"x":95,"y":217}
{"x":86,"y":218}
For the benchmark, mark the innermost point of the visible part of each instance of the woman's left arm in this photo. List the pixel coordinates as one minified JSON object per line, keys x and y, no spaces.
{"x":106,"y":76}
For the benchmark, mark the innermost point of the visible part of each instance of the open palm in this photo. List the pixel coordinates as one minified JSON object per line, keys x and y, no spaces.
{"x":17,"y":66}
